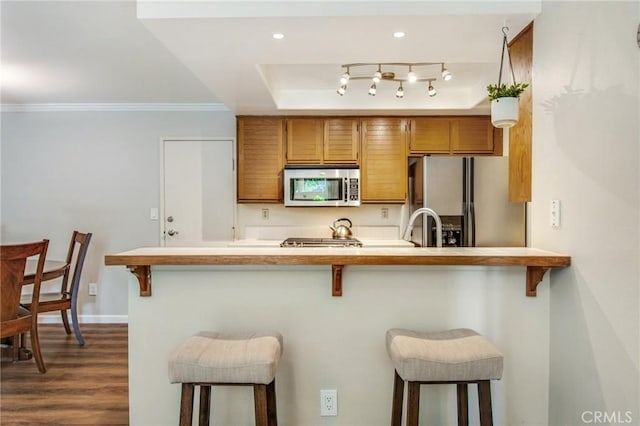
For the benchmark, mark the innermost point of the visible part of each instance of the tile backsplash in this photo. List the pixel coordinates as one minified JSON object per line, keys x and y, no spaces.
{"x":279,"y":222}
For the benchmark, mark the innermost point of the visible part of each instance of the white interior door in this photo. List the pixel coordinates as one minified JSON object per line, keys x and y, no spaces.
{"x":198,"y":192}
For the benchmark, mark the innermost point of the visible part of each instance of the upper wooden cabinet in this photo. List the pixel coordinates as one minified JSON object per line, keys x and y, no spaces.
{"x":322,"y":141}
{"x":451,"y":135}
{"x":471,"y":135}
{"x":341,"y":140}
{"x":260,"y":159}
{"x":304,"y":140}
{"x":429,"y":135}
{"x":383,"y":169}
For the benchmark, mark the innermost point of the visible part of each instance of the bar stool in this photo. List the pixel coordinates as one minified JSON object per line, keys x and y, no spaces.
{"x":209,"y":358}
{"x":459,"y":356}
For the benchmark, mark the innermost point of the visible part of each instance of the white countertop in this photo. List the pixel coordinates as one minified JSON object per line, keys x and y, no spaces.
{"x":246,"y":255}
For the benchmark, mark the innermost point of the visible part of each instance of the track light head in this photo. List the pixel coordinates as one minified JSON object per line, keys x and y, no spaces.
{"x":372,"y":90}
{"x":377,"y":76}
{"x":446,"y":74}
{"x":342,"y":90}
{"x":344,"y":79}
{"x":431,"y":90}
{"x":400,"y":92}
{"x":411,"y":76}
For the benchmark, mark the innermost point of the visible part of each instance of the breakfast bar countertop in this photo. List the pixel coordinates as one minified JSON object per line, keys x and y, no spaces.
{"x":496,"y":256}
{"x":537,"y":262}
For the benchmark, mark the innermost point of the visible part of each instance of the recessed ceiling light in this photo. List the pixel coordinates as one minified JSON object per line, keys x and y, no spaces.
{"x":278,"y":36}
{"x":399,"y":34}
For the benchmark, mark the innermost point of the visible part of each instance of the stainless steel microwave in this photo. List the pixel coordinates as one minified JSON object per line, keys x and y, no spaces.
{"x":319,"y":186}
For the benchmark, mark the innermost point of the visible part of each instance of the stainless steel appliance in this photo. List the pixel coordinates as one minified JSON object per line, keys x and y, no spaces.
{"x":325,"y":186}
{"x":470,"y":194}
{"x":321,"y":242}
{"x":452,"y":231}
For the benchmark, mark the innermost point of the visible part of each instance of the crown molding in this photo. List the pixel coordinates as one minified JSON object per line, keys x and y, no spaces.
{"x":117,"y":107}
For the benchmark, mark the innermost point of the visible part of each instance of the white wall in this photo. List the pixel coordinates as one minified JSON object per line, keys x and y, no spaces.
{"x":586,"y":153}
{"x":95,"y":172}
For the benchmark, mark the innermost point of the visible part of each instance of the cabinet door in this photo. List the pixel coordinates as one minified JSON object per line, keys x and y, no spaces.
{"x":384,"y":160}
{"x":260,"y":159}
{"x":304,"y":140}
{"x":341,"y":140}
{"x":429,"y":135}
{"x":472,"y":135}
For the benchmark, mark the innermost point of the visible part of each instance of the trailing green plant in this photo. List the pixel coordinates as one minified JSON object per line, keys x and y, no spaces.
{"x":504,"y":91}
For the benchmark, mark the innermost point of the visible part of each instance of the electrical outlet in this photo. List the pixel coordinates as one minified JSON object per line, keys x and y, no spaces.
{"x":384,"y":213}
{"x":328,"y":402}
{"x":265,"y":214}
{"x":93,"y":289}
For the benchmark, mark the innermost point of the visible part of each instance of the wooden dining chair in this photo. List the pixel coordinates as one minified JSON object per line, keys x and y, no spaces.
{"x":14,"y":318}
{"x":67,"y":298}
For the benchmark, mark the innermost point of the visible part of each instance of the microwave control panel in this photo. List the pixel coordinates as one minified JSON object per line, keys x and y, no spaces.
{"x":354,"y":190}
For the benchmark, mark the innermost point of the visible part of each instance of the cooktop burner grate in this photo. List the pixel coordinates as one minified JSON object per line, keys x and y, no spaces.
{"x":321,"y":242}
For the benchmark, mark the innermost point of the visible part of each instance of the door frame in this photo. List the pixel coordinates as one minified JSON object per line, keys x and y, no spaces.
{"x":234,"y":170}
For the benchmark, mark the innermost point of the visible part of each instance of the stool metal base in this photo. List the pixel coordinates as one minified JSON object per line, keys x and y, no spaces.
{"x":264,"y":398}
{"x":413,"y":401}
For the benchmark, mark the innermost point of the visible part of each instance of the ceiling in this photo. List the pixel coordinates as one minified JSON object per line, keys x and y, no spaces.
{"x":212,"y":51}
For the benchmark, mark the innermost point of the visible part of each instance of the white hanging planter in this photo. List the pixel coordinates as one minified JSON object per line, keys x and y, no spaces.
{"x":504,"y":112}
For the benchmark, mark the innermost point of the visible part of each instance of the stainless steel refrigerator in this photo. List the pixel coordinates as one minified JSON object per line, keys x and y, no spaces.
{"x":470,"y":194}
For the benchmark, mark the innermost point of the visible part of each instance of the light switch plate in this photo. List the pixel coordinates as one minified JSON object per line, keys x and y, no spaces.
{"x":555,"y":213}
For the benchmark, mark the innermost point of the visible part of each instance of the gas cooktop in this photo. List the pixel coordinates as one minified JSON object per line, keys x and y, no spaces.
{"x":321,"y":242}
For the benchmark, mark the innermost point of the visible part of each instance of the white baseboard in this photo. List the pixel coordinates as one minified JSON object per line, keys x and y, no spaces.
{"x":86,"y":319}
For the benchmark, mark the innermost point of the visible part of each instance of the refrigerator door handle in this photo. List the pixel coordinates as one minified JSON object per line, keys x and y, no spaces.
{"x":472,"y":225}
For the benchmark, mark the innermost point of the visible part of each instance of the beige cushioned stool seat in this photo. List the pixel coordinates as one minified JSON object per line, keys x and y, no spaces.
{"x":210,"y":357}
{"x":453,"y":355}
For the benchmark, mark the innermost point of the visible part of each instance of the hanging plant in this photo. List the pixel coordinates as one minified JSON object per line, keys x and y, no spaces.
{"x":503,"y":97}
{"x":504,"y":91}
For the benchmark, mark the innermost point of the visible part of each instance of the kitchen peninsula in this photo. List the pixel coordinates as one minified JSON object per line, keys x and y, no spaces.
{"x":335,"y":342}
{"x":537,"y":262}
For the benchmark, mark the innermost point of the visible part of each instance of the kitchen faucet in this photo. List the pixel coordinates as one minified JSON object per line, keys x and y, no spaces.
{"x":428,"y":212}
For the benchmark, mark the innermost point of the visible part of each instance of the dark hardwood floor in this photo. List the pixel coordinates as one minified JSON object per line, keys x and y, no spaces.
{"x":83,"y":385}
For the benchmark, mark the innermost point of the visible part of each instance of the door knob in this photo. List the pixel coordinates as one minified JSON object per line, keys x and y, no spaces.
{"x":171,"y":232}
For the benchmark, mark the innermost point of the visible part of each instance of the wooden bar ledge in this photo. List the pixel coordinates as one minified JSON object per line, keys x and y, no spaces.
{"x":538,"y":262}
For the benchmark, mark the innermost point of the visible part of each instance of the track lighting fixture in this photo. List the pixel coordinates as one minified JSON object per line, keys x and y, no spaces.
{"x":391,"y":71}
